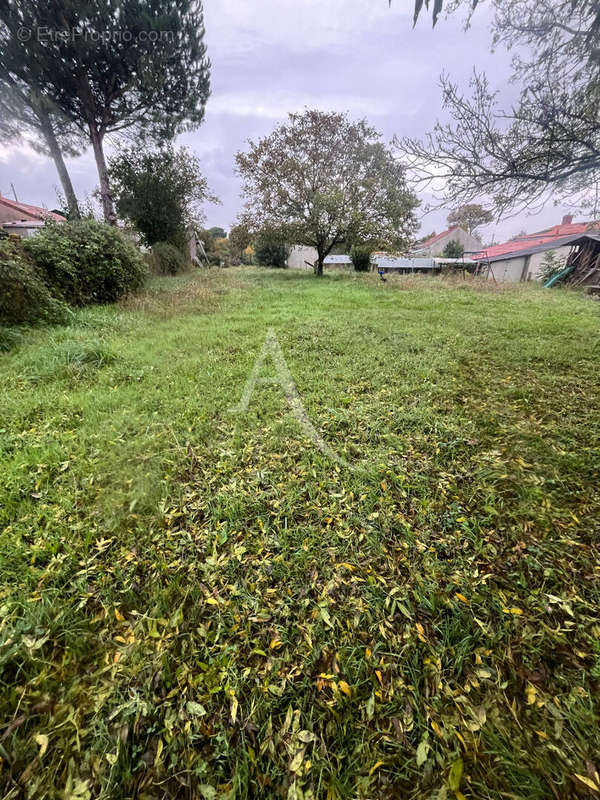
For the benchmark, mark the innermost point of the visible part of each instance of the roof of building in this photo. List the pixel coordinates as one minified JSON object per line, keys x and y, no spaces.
{"x":548,"y":239}
{"x":31,"y":211}
{"x":437,"y":237}
{"x":343,"y":259}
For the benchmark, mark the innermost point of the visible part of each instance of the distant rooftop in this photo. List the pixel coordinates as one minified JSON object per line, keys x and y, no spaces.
{"x":30,"y":211}
{"x":523,"y":244}
{"x":436,"y":237}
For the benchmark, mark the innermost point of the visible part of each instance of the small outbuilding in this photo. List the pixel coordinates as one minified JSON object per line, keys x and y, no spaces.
{"x":521,"y":259}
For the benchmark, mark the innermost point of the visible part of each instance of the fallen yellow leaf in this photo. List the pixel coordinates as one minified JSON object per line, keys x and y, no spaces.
{"x":588,"y":782}
{"x":42,"y":740}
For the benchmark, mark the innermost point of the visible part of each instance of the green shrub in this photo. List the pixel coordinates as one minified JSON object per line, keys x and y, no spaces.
{"x":166,"y":259}
{"x":24,"y":297}
{"x":361,"y":258}
{"x":453,"y":249}
{"x":270,"y":250}
{"x":85,"y":261}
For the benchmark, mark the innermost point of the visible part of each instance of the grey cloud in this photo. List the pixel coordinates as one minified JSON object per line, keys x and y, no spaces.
{"x":270,"y":57}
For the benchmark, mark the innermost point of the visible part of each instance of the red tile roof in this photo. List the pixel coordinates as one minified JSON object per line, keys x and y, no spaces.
{"x":31,"y":211}
{"x":534,"y":239}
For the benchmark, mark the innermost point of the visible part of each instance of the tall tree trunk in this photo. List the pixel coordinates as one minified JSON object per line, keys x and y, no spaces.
{"x":319,"y":262}
{"x":57,"y":156}
{"x":106,"y":197}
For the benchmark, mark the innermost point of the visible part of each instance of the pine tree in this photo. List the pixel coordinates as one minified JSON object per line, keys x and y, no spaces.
{"x":111,"y":65}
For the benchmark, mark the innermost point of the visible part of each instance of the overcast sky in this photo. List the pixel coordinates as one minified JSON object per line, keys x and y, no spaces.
{"x":270,"y":57}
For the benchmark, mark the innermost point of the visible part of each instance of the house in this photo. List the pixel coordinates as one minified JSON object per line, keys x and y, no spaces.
{"x":24,"y":219}
{"x":436,"y":244}
{"x":521,"y":259}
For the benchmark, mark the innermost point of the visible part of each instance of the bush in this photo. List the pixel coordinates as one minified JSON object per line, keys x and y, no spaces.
{"x":361,"y":258}
{"x":166,"y":259}
{"x":85,"y":261}
{"x":24,"y":297}
{"x":271,"y":251}
{"x":453,"y":249}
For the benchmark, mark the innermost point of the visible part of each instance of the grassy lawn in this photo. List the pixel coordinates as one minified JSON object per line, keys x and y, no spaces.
{"x":201,"y":604}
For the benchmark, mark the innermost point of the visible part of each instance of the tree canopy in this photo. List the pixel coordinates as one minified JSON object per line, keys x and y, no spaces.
{"x":240,"y":238}
{"x":549,"y":142}
{"x":217,"y":232}
{"x":27,"y":114}
{"x":159,"y":192}
{"x":470,"y":217}
{"x":325,"y":180}
{"x":108,"y":65}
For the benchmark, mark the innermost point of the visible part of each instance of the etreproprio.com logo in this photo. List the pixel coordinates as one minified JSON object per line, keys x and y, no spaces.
{"x":65,"y":35}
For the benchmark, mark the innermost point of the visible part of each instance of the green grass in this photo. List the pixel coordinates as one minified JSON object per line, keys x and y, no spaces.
{"x":199,"y":604}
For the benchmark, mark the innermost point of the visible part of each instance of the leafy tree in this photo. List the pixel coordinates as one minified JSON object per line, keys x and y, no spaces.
{"x":150,"y":72}
{"x":453,"y":249}
{"x":26,"y":114}
{"x":361,"y":258}
{"x":321,"y":180}
{"x":271,"y":249}
{"x":223,"y":251}
{"x":549,"y":143}
{"x":562,"y":13}
{"x":470,"y":217}
{"x":217,"y":233}
{"x":159,"y":192}
{"x":438,"y":6}
{"x":240,"y":239}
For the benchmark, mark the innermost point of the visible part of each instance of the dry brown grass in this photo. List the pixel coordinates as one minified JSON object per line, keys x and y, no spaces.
{"x":456,"y":281}
{"x":198,"y":293}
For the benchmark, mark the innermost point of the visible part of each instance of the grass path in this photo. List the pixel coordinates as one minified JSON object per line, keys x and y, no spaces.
{"x":200,"y":604}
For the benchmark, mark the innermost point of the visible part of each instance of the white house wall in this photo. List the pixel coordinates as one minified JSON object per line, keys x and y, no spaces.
{"x":535,"y":263}
{"x":510,"y":270}
{"x":299,"y":254}
{"x":469,"y":242}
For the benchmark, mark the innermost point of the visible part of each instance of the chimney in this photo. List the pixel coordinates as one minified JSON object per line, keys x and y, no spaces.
{"x":567,"y":219}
